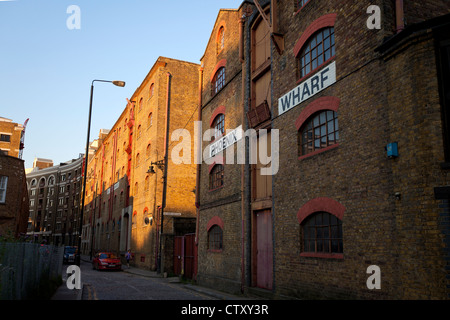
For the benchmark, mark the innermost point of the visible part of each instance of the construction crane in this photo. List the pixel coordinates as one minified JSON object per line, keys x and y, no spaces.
{"x":22,"y":139}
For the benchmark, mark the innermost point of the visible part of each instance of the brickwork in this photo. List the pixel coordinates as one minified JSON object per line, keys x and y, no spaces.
{"x":11,"y":133}
{"x":14,"y":209}
{"x":390,"y":218}
{"x":54,"y":193}
{"x":221,"y":268}
{"x":123,"y":197}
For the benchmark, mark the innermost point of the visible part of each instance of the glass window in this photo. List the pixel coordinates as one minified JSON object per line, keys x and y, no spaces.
{"x":215,"y":238}
{"x":318,"y":50}
{"x":219,"y":125}
{"x":322,"y":233}
{"x":319,"y":131}
{"x":3,"y":187}
{"x":219,"y":80}
{"x":301,"y":3}
{"x":216,"y":177}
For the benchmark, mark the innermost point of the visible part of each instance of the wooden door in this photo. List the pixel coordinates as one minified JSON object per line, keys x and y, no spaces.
{"x":264,"y":249}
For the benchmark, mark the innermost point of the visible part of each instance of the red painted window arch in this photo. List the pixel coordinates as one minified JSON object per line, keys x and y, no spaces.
{"x":214,"y":221}
{"x":321,"y":204}
{"x":323,"y":103}
{"x":322,"y":22}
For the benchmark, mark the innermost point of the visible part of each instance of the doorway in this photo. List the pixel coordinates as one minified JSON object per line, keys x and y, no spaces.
{"x":263,"y":249}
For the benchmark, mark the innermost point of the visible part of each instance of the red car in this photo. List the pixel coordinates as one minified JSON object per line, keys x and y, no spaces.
{"x":106,"y":261}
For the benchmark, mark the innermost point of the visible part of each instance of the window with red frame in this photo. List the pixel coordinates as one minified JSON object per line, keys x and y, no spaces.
{"x":301,"y":3}
{"x":219,"y":125}
{"x":215,"y":238}
{"x":322,"y":233}
{"x":219,"y":80}
{"x":318,"y":50}
{"x":216,"y":177}
{"x":319,"y":131}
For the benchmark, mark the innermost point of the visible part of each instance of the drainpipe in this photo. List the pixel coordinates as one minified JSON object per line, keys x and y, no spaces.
{"x":166,"y":156}
{"x":199,"y":164}
{"x":399,"y":16}
{"x":241,"y":56}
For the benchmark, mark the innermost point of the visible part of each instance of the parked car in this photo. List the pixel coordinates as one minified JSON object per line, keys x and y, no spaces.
{"x":70,"y":253}
{"x":106,"y":261}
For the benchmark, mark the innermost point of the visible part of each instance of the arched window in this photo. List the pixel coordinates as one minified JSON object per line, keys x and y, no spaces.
{"x":219,"y":80}
{"x":152,"y":90}
{"x":51,"y":181}
{"x":216,"y":177}
{"x":215,"y":238}
{"x":139,"y":132}
{"x":219,"y":125}
{"x":141,"y":102}
{"x":148,"y":150}
{"x":136,"y":189}
{"x":322,"y":233}
{"x":42,"y":182}
{"x":149,"y":119}
{"x":220,"y":39}
{"x":138,"y":160}
{"x":321,"y":130}
{"x":146,"y":184}
{"x":318,"y":50}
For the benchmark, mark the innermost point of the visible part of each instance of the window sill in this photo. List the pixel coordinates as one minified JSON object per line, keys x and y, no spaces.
{"x":215,"y":250}
{"x":218,"y":188}
{"x":318,"y":151}
{"x":322,"y":255}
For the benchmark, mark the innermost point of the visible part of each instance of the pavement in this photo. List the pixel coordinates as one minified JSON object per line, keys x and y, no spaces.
{"x":64,"y":293}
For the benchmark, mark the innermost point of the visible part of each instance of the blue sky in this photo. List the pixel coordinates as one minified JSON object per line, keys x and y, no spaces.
{"x":46,"y":69}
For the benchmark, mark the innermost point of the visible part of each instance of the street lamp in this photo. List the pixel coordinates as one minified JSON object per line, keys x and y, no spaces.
{"x":118,"y":84}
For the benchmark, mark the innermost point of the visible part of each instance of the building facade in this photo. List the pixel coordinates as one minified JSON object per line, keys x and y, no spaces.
{"x":10,"y":135}
{"x":219,"y":197}
{"x":54,"y":201}
{"x":127,"y":191}
{"x":13,"y":197}
{"x":353,"y":100}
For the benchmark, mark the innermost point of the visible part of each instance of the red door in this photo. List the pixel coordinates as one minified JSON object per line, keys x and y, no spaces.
{"x":178,"y":255}
{"x":264,"y":254}
{"x":189,"y":254}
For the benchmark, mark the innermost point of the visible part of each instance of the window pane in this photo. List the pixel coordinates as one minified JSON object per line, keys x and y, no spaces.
{"x":331,"y":126}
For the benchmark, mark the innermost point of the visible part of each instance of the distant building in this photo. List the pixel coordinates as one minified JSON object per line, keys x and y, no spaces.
{"x":10,"y":134}
{"x":54,"y":201}
{"x":13,"y":197}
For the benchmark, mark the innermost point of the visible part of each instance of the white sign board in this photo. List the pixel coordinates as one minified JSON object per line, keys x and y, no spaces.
{"x":226,"y":141}
{"x":308,"y":88}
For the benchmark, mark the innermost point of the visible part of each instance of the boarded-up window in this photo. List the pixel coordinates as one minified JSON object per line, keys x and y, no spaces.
{"x":262,"y":184}
{"x":260,"y":73}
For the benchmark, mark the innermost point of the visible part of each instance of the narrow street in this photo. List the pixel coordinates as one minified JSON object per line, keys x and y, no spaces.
{"x":122,"y":285}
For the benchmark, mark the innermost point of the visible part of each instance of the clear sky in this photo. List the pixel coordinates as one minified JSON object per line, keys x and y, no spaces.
{"x":46,"y":69}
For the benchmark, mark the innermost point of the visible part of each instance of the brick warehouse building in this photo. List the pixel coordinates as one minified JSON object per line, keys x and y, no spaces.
{"x":358,"y":185}
{"x":125,"y":186}
{"x":13,"y":197}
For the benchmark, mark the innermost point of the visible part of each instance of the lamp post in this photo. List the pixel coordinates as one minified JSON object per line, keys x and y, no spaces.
{"x":118,"y":84}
